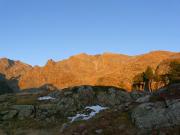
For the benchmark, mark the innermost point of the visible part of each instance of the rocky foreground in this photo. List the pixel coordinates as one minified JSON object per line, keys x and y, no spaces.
{"x":90,"y":110}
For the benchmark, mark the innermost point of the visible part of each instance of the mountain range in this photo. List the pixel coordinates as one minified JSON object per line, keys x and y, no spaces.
{"x":107,"y":69}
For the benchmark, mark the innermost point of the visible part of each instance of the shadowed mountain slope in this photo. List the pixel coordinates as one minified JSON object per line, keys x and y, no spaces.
{"x":12,"y":71}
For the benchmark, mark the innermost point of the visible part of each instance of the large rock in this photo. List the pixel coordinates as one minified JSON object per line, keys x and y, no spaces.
{"x":74,"y":99}
{"x":68,"y":106}
{"x":156,"y":115}
{"x":135,"y":94}
{"x":113,"y":97}
{"x":143,"y":99}
{"x":46,"y":112}
{"x":24,"y":111}
{"x":8,"y":114}
{"x":85,"y":94}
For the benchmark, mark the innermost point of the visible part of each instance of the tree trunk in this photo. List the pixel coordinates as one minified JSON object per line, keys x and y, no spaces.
{"x":146,"y":88}
{"x":150,"y":85}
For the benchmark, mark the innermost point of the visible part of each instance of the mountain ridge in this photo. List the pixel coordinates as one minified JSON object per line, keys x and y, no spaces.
{"x":83,"y":69}
{"x":107,"y":69}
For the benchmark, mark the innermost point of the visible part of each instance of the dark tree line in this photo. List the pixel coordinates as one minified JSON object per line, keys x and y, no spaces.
{"x":143,"y":81}
{"x":174,"y":73}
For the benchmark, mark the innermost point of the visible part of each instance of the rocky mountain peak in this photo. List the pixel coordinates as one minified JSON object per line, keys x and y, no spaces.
{"x":6,"y":63}
{"x":81,"y":56}
{"x":50,"y":62}
{"x":11,"y":68}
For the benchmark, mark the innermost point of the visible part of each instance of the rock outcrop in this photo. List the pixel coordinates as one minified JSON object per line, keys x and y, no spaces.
{"x":13,"y":69}
{"x":74,"y":99}
{"x":88,"y":109}
{"x":65,"y":103}
{"x":156,"y":115}
{"x":158,"y":110}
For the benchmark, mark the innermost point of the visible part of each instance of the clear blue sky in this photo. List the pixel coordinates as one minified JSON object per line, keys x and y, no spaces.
{"x":36,"y":30}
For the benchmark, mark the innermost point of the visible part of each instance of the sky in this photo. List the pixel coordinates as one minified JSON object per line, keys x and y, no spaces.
{"x":34,"y":31}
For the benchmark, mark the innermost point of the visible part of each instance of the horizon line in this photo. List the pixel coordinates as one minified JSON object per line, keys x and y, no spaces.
{"x":83,"y":53}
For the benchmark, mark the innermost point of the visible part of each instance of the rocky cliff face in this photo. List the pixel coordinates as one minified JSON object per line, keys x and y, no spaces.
{"x":107,"y":69}
{"x":13,"y":69}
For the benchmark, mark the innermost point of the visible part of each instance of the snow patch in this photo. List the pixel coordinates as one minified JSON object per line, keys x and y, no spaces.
{"x":95,"y":109}
{"x":45,"y":98}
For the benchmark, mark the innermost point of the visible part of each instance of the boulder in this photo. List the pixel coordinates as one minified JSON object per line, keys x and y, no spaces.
{"x":156,"y":115}
{"x":46,"y":111}
{"x":85,"y":95}
{"x":135,"y":94}
{"x":143,"y":99}
{"x":113,"y":97}
{"x":9,"y":114}
{"x":68,"y":106}
{"x":24,"y":111}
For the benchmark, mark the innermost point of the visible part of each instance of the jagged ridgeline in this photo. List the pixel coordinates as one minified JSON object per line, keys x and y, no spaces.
{"x":107,"y":69}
